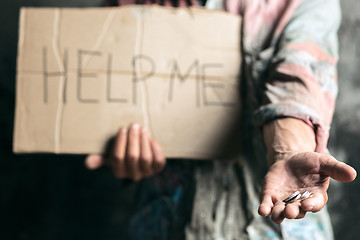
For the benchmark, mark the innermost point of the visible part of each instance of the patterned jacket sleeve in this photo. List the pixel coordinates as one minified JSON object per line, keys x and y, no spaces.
{"x":302,"y":77}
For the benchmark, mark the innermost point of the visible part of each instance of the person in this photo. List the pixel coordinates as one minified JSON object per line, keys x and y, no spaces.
{"x":289,"y":52}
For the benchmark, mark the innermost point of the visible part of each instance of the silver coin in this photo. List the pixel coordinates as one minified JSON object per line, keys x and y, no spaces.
{"x":305,"y":194}
{"x":292,"y":197}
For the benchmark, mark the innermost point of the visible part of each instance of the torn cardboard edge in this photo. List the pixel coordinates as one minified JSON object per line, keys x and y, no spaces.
{"x":84,"y":73}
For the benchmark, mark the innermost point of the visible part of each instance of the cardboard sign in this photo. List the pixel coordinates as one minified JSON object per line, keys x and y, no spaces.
{"x":84,"y":73}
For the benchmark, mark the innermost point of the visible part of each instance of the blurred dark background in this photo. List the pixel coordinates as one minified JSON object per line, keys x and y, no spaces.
{"x":55,"y":197}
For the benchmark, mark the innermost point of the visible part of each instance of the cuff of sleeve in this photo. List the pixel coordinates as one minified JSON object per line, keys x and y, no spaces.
{"x":296,"y":110}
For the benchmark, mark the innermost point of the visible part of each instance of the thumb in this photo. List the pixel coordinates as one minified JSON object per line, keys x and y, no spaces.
{"x":94,"y":161}
{"x":337,"y":170}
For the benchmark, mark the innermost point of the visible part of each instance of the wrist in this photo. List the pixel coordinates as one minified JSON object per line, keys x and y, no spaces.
{"x":286,"y":137}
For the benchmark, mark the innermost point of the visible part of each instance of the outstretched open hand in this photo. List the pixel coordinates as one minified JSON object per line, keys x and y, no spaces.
{"x":304,"y":170}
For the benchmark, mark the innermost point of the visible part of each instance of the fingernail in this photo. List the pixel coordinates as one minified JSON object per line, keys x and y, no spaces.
{"x":144,"y":130}
{"x":354,"y":171}
{"x":124,"y":130}
{"x":135,"y":126}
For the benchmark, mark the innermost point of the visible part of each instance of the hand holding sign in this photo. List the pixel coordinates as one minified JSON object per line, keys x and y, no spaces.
{"x":134,"y":155}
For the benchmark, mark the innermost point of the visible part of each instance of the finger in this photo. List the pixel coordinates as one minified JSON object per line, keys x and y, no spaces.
{"x":117,"y":161}
{"x":133,"y":153}
{"x":266,"y":206}
{"x":302,"y":214}
{"x":146,"y":155}
{"x":159,"y":160}
{"x":337,"y":170}
{"x":94,"y":161}
{"x":292,"y":210}
{"x":316,"y":202}
{"x":277,"y":212}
